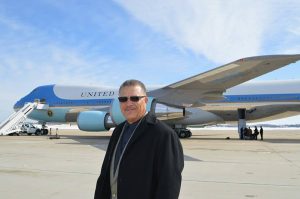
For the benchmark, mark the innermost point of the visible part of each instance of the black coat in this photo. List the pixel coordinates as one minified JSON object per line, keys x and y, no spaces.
{"x":151,"y":165}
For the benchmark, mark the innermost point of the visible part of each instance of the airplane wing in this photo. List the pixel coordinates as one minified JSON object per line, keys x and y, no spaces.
{"x":210,"y":85}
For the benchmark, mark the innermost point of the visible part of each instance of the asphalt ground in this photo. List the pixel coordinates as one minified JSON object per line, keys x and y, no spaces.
{"x":36,"y":167}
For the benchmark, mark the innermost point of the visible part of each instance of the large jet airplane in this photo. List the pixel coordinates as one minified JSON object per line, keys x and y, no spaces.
{"x":215,"y":96}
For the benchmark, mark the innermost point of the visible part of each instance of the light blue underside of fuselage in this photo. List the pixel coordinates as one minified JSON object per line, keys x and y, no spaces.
{"x":57,"y":115}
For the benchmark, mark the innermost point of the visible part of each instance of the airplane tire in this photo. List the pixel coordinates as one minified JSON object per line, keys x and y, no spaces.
{"x":182,"y":134}
{"x":38,"y":132}
{"x":187,"y":134}
{"x":14,"y":134}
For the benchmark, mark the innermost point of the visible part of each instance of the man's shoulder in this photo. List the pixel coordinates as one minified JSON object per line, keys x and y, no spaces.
{"x":163,"y":126}
{"x":159,"y":126}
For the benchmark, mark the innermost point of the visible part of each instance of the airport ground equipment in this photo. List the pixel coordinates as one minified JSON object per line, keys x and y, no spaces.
{"x":11,"y":124}
{"x":30,"y":129}
{"x":56,"y":136}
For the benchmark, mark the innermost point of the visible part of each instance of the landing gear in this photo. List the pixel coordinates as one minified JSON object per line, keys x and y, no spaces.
{"x":44,"y":129}
{"x":14,"y":134}
{"x":183,"y":132}
{"x":242,"y":122}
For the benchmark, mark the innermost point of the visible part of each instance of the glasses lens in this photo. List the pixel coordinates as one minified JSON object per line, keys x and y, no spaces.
{"x":123,"y":99}
{"x":134,"y":98}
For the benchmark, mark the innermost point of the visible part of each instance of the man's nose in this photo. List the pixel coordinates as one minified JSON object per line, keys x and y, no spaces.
{"x":129,"y":102}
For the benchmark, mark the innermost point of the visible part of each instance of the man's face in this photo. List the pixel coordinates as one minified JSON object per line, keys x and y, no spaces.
{"x":133,"y":111}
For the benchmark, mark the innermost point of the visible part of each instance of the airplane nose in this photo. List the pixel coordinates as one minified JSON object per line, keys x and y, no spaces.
{"x":17,"y":105}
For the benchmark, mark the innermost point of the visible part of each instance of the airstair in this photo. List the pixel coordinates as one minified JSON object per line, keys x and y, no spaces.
{"x":10,"y":125}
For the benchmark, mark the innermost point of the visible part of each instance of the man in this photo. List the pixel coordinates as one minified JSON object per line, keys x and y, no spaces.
{"x":255,"y":133}
{"x":261,"y":132}
{"x":250,"y":133}
{"x":144,"y":158}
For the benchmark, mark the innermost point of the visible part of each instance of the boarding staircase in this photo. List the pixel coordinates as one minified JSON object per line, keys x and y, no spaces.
{"x":10,"y":125}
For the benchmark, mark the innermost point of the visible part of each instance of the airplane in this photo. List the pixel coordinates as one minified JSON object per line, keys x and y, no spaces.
{"x":216,"y":96}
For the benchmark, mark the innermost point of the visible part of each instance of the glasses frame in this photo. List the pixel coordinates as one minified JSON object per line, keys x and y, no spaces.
{"x":124,"y":99}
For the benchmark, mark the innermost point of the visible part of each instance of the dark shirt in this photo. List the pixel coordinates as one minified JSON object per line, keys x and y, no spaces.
{"x":128,"y":131}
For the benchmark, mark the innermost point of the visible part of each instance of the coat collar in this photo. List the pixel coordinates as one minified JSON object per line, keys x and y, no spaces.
{"x":149,"y":119}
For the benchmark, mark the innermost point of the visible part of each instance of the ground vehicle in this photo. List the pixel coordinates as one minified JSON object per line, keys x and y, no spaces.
{"x":30,"y":129}
{"x":183,"y":133}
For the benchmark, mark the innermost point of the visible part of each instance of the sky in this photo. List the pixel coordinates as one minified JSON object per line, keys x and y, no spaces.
{"x":104,"y":42}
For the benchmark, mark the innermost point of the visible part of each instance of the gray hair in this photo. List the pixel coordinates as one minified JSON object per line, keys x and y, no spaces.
{"x":133,"y":82}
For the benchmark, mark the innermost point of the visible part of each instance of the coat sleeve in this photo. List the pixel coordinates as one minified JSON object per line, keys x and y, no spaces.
{"x":168,"y":166}
{"x":102,"y":186}
{"x":102,"y":190}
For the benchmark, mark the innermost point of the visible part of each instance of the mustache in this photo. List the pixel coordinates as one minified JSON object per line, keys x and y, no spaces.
{"x":130,"y":107}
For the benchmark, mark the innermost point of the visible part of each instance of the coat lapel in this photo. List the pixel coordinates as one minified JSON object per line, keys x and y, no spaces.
{"x":117,"y":134}
{"x":149,"y":119}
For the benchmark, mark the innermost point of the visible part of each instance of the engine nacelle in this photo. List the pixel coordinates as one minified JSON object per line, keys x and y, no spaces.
{"x":93,"y":121}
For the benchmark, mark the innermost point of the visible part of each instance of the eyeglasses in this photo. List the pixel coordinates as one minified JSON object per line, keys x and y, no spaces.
{"x":132,"y":98}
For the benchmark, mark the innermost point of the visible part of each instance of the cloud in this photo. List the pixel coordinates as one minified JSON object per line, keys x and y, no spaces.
{"x":221,"y":31}
{"x":12,"y":24}
{"x":30,"y":58}
{"x":56,"y":63}
{"x":293,"y":27}
{"x":29,"y":54}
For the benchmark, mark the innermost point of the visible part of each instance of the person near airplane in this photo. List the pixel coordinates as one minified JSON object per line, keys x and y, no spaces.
{"x":144,"y":158}
{"x":261,"y":132}
{"x":255,"y":133}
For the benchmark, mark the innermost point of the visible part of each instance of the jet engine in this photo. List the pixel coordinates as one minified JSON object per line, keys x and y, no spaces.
{"x":93,"y":121}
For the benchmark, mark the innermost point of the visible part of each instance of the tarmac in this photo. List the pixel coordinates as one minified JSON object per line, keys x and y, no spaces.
{"x":36,"y":167}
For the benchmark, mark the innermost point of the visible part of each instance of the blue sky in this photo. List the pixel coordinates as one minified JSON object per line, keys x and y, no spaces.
{"x":105,"y":42}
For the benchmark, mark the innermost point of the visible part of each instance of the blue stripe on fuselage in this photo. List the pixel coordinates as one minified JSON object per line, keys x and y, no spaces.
{"x":46,"y":94}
